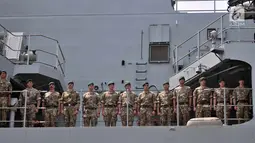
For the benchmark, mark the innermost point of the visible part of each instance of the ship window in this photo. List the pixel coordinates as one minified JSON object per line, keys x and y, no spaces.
{"x":159,"y":53}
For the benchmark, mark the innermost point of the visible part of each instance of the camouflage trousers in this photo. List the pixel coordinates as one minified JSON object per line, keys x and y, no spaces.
{"x":220,"y":111}
{"x":166,"y":115}
{"x":90,"y":117}
{"x":70,"y":116}
{"x":50,"y":117}
{"x":145,"y":116}
{"x":30,"y":115}
{"x":3,"y":112}
{"x":242,"y":112}
{"x":110,"y":116}
{"x":203,"y":110}
{"x":124,"y":116}
{"x":184,"y":113}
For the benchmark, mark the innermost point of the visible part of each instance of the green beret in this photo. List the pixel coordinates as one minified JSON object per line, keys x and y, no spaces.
{"x":90,"y":83}
{"x":70,"y":82}
{"x":110,"y":82}
{"x":127,"y":83}
{"x":51,"y":83}
{"x":221,"y":79}
{"x":182,"y":78}
{"x":166,"y":83}
{"x":146,"y":83}
{"x":29,"y":80}
{"x":242,"y":78}
{"x":201,"y":79}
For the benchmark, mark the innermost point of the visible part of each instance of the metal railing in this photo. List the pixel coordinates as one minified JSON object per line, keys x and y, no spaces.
{"x":177,"y":114}
{"x":197,"y":49}
{"x":57,"y":54}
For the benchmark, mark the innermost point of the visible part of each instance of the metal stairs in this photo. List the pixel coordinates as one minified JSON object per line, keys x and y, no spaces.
{"x":204,"y":55}
{"x":141,"y":74}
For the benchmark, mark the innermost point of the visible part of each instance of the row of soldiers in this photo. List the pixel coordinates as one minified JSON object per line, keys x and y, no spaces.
{"x":111,"y":103}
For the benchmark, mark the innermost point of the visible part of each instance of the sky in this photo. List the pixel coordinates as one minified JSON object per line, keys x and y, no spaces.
{"x":202,"y":5}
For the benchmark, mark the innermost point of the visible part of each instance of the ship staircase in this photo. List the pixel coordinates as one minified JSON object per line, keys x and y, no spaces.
{"x":208,"y":52}
{"x":35,"y":57}
{"x":140,"y":74}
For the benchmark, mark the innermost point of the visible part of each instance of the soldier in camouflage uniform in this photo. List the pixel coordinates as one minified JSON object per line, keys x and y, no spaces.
{"x":184,"y":95}
{"x":33,"y":103}
{"x":218,"y":101}
{"x":202,"y":99}
{"x":146,"y":106}
{"x":109,"y":102}
{"x":242,"y":97}
{"x":128,"y":97}
{"x":71,"y":102}
{"x":165,"y":105}
{"x":5,"y":96}
{"x":91,"y":106}
{"x":52,"y":103}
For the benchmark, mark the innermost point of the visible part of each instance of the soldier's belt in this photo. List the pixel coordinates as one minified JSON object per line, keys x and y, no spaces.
{"x":204,"y":105}
{"x":182,"y":103}
{"x":91,"y":108}
{"x":69,"y":104}
{"x":165,"y":106}
{"x":109,"y":106}
{"x":124,"y":106}
{"x":51,"y":106}
{"x":227,"y":102}
{"x":146,"y":106}
{"x":242,"y":101}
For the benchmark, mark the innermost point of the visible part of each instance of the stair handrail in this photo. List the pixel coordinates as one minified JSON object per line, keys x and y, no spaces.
{"x":198,"y":45}
{"x":39,"y":35}
{"x":59,"y":63}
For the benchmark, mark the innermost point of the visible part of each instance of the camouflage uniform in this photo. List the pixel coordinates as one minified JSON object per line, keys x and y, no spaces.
{"x":146,"y":103}
{"x":203,"y":97}
{"x":71,"y":103}
{"x":33,"y":95}
{"x":91,"y":103}
{"x":242,"y":97}
{"x":4,"y":98}
{"x":51,"y":102}
{"x":110,"y":102}
{"x":184,"y":95}
{"x":131,"y":99}
{"x":165,"y":102}
{"x":219,"y":96}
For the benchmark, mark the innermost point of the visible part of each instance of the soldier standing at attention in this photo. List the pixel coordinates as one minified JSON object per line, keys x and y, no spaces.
{"x":165,"y":105}
{"x":91,"y":106}
{"x":128,"y":97}
{"x":218,"y":100}
{"x":184,"y":95}
{"x":146,"y":106}
{"x":109,"y":102}
{"x":71,"y":103}
{"x":52,"y":103}
{"x":5,"y":96}
{"x":202,"y":99}
{"x":241,"y":98}
{"x":33,"y":103}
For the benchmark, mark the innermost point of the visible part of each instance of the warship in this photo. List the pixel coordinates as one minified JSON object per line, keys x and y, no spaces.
{"x":135,"y":40}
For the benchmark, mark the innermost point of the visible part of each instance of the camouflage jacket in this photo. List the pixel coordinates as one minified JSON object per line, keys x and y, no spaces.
{"x":165,"y":98}
{"x":5,"y":86}
{"x":219,"y":95}
{"x":52,"y":99}
{"x":91,"y":100}
{"x":146,"y":99}
{"x":203,"y":95}
{"x":127,"y":97}
{"x":183,"y":94}
{"x":241,"y":94}
{"x":110,"y":99}
{"x":70,"y":98}
{"x":33,"y":95}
